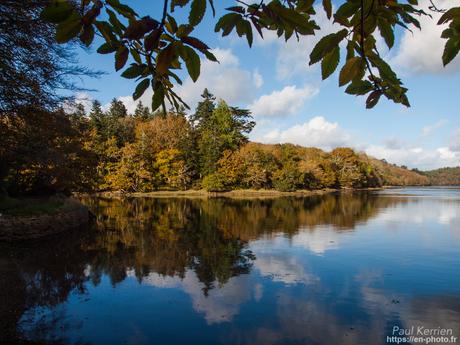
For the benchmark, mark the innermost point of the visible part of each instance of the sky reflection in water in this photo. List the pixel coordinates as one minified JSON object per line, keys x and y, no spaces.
{"x":333,"y":269}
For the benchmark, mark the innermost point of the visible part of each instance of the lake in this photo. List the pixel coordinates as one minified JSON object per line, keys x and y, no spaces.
{"x":349,"y":268}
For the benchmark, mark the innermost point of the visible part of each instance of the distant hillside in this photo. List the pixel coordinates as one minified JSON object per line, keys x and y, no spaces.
{"x":393,"y":175}
{"x":289,"y":167}
{"x":444,"y":176}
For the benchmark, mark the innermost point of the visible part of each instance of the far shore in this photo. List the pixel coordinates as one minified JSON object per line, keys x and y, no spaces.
{"x":239,"y":193}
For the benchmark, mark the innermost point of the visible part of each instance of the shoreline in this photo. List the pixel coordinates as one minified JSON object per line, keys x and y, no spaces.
{"x":234,"y":194}
{"x":16,"y":227}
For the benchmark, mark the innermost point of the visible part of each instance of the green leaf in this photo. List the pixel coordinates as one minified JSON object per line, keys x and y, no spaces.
{"x":350,"y":50}
{"x":192,"y":62}
{"x":210,"y":56}
{"x":248,"y":31}
{"x":116,"y":24}
{"x":107,"y":48}
{"x":121,"y":57}
{"x":106,"y":30}
{"x":57,"y":11}
{"x":133,"y":71}
{"x":351,"y":69}
{"x":290,"y":16}
{"x":447,"y":33}
{"x":197,"y":12}
{"x":213,"y":9}
{"x":227,"y":21}
{"x":304,"y":5}
{"x":328,"y":8}
{"x":348,"y":9}
{"x":152,"y":40}
{"x":69,"y":28}
{"x":330,"y":62}
{"x":165,"y":58}
{"x":449,"y":15}
{"x":140,"y":88}
{"x":175,"y":77}
{"x":384,"y":69}
{"x":451,"y":49}
{"x":122,"y":9}
{"x":195,"y":43}
{"x":184,"y":30}
{"x":158,"y":97}
{"x":386,"y":31}
{"x":359,"y":87}
{"x":180,"y":3}
{"x":136,"y":56}
{"x":373,"y":99}
{"x":326,"y":44}
{"x":87,"y":35}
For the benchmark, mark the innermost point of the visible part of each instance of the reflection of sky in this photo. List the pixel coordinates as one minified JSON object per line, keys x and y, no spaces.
{"x":317,"y":285}
{"x":220,"y":305}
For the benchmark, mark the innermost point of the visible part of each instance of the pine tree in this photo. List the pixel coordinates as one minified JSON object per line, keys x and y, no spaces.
{"x":96,"y":116}
{"x":117,"y":109}
{"x":203,"y":111}
{"x":141,"y":112}
{"x":224,"y":129}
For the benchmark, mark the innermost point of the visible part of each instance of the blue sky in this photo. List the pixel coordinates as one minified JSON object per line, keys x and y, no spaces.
{"x":290,"y":103}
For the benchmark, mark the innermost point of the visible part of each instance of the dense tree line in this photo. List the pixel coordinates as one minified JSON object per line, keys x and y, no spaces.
{"x":111,"y":150}
{"x":444,"y":176}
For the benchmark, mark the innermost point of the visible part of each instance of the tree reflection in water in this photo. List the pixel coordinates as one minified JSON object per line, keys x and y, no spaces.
{"x":164,"y":236}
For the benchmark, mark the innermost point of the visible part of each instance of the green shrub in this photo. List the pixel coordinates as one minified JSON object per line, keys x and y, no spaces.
{"x":286,"y":179}
{"x":213,"y":183}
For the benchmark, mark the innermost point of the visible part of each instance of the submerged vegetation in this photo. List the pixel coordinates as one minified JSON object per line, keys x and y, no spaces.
{"x":47,"y":152}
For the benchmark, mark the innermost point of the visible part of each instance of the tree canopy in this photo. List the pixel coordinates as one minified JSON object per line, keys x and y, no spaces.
{"x":33,"y":66}
{"x":160,"y":46}
{"x":111,"y":150}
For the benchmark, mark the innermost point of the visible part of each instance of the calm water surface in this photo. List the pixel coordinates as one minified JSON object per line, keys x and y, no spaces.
{"x":332,"y":269}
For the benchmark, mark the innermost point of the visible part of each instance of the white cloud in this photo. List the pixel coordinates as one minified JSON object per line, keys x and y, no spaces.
{"x":222,"y":302}
{"x":416,"y":157}
{"x":258,"y":79}
{"x":270,"y":37}
{"x":454,"y":141}
{"x":293,"y":55}
{"x":82,"y":98}
{"x":317,"y":132}
{"x":318,"y":241}
{"x":226,"y":80}
{"x":284,"y":269}
{"x":422,"y":211}
{"x":131,"y":104}
{"x":427,"y":130}
{"x":420,"y":51}
{"x":284,"y":102}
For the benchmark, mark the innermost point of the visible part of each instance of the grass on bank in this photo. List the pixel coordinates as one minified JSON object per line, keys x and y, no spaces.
{"x":193,"y":193}
{"x":31,"y":206}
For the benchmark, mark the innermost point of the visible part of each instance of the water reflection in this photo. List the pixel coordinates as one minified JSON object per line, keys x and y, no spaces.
{"x":271,"y":271}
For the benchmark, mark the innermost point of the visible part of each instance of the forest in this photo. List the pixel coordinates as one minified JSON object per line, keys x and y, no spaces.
{"x":50,"y":144}
{"x":444,"y":176}
{"x":70,"y":150}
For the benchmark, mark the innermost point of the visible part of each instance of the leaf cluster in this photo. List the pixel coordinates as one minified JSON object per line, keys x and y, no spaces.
{"x":158,"y":47}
